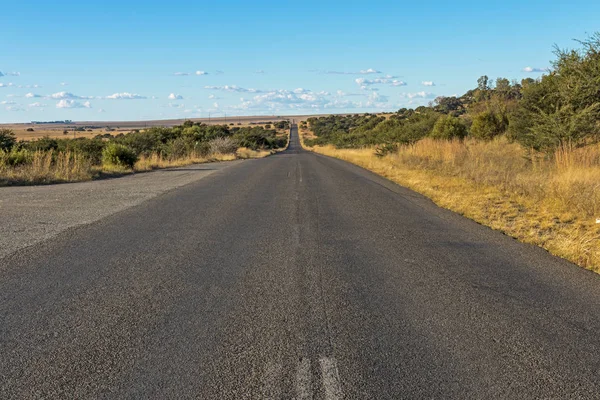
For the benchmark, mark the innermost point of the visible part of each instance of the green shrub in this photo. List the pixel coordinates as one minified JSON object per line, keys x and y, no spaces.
{"x":15,"y":157}
{"x":119,"y":155}
{"x":448,"y":127}
{"x":488,"y":124}
{"x":7,"y":139}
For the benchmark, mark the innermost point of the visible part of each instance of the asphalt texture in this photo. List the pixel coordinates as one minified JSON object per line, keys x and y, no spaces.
{"x":294,"y":276}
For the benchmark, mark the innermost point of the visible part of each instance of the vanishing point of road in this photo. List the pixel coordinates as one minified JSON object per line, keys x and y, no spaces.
{"x":294,"y":276}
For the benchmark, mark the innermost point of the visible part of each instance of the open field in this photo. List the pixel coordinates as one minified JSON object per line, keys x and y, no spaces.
{"x":94,"y":128}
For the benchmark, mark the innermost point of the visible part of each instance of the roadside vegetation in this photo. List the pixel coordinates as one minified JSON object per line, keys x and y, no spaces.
{"x":49,"y":160}
{"x":521,"y":157}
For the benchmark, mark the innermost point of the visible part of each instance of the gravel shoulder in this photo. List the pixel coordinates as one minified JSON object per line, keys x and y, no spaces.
{"x":31,"y":214}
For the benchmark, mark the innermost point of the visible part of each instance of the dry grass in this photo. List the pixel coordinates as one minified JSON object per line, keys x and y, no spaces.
{"x":48,"y":167}
{"x":552,"y":203}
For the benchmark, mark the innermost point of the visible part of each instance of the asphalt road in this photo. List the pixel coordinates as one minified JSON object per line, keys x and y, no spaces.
{"x":295,"y":276}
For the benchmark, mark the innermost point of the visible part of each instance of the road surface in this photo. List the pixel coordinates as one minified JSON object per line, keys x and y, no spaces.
{"x":295,"y":276}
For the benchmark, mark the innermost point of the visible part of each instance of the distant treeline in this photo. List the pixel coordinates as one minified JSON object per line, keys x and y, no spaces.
{"x":560,"y":108}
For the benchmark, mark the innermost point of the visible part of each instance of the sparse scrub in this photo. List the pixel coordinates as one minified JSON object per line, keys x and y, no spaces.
{"x":223,"y":145}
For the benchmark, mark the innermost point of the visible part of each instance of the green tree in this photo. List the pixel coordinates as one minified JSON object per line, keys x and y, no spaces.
{"x":448,"y":127}
{"x":488,"y":124}
{"x":564,"y":106}
{"x":7,"y":139}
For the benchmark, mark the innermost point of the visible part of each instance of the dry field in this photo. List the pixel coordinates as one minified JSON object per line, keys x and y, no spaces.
{"x":553,"y":203}
{"x":116,"y":127}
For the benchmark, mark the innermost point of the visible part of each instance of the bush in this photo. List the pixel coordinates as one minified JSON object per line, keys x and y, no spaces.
{"x":448,"y":127}
{"x":119,"y":155}
{"x":15,"y":157}
{"x":487,"y":125}
{"x":7,"y":139}
{"x":29,"y":129}
{"x":223,"y":145}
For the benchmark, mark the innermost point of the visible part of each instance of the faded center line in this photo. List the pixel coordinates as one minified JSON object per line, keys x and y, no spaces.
{"x":331,"y":379}
{"x":303,"y":380}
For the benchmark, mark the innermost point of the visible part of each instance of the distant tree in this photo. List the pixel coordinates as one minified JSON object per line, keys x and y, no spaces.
{"x":29,"y":129}
{"x":7,"y":139}
{"x":448,"y":105}
{"x":188,"y":123}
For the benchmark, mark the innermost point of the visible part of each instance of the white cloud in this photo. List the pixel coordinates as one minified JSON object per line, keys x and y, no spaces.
{"x":369,"y":71}
{"x":419,"y":95}
{"x":37,"y":104}
{"x":176,"y":105}
{"x":427,"y":83}
{"x":181,"y":74}
{"x":14,"y":108}
{"x":64,"y":84}
{"x":10,"y":74}
{"x":67,"y":96}
{"x":125,"y":96}
{"x":213,"y":97}
{"x":201,"y":73}
{"x":101,"y":110}
{"x":7,"y":103}
{"x":65,"y":103}
{"x":32,"y":95}
{"x":532,"y":69}
{"x":6,"y":84}
{"x":233,"y":88}
{"x":174,"y":96}
{"x":363,"y":82}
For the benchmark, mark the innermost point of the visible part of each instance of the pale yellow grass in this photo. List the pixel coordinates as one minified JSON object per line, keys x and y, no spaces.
{"x":47,"y":167}
{"x":552,"y":203}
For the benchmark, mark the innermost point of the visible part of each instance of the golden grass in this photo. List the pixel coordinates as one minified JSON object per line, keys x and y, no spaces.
{"x":552,"y":203}
{"x":47,"y":167}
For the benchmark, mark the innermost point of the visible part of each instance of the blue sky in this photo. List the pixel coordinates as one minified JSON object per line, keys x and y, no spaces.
{"x":134,"y":60}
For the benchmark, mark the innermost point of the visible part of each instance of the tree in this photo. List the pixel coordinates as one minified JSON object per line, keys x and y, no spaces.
{"x":448,"y":127}
{"x":564,"y":106}
{"x":488,"y":124}
{"x":448,"y":105}
{"x":7,"y":139}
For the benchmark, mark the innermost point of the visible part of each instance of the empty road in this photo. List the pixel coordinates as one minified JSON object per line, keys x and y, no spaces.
{"x":295,"y":276}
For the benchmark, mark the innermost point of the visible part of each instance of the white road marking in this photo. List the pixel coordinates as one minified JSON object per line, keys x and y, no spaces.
{"x":303,"y":380}
{"x":271,"y":381}
{"x":331,"y":379}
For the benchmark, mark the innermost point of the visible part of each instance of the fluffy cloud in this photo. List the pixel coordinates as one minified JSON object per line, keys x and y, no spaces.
{"x":101,"y":110}
{"x":10,"y":74}
{"x":532,"y":69}
{"x":125,"y":96}
{"x":64,"y":84}
{"x":66,"y":96}
{"x":32,"y":95}
{"x":233,"y":88}
{"x":427,"y":83}
{"x":14,"y":108}
{"x":201,"y":73}
{"x":72,"y":104}
{"x":174,"y":96}
{"x":37,"y":104}
{"x":181,"y":74}
{"x":7,"y":103}
{"x":6,"y":84}
{"x":213,"y":97}
{"x":363,"y":82}
{"x":419,"y":95}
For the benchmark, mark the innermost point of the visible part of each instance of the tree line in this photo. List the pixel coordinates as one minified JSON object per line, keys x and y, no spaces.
{"x":560,"y":108}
